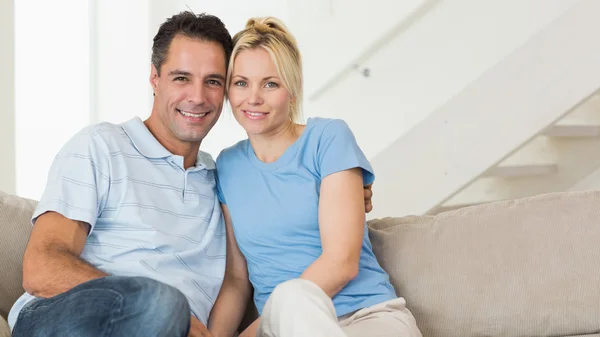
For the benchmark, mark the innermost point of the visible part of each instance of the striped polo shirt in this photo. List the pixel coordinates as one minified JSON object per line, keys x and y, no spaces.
{"x":149,"y":216}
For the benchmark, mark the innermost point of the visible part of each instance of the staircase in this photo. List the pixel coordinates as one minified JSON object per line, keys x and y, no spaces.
{"x":527,"y":125}
{"x":553,"y":160}
{"x":462,"y":103}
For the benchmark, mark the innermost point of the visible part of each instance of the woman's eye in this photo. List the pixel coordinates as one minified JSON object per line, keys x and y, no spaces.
{"x":271,"y":85}
{"x":240,"y":84}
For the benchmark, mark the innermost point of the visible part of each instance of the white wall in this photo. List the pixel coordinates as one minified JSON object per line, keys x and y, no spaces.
{"x":121,"y":43}
{"x":421,"y":69}
{"x":7,"y":97}
{"x":52,"y":84}
{"x":334,"y":34}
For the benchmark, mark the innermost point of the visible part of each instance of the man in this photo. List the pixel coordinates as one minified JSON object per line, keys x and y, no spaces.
{"x":128,"y":238}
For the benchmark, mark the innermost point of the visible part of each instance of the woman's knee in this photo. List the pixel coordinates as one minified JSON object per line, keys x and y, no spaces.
{"x":298,"y":294}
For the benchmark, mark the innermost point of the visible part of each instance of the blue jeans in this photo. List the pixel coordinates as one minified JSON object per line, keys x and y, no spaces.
{"x":110,"y":306}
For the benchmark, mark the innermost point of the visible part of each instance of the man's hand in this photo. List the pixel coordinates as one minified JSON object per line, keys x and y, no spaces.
{"x":368,"y":195}
{"x":197,"y":329}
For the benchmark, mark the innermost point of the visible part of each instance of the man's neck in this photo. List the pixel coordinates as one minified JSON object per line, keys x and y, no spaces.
{"x":188,"y":150}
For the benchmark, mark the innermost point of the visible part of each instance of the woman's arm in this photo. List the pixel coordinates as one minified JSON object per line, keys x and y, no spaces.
{"x":341,"y":223}
{"x":230,"y":306}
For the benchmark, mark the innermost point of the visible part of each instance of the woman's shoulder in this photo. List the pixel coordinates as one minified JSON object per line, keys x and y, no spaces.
{"x":232,"y":152}
{"x":325,"y":128}
{"x":323,"y":123}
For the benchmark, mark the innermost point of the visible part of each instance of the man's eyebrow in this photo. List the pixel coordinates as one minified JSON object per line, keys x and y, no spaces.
{"x":179,"y":72}
{"x":216,"y":76}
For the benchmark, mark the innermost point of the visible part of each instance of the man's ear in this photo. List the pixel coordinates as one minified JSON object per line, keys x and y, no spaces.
{"x":154,"y":77}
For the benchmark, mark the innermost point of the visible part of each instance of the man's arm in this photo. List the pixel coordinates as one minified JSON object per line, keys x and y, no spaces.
{"x":52,"y":263}
{"x":230,"y":306}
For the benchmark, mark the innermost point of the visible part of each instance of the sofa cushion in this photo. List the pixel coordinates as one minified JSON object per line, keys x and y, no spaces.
{"x":15,"y":226}
{"x":4,"y":329}
{"x":528,"y":267}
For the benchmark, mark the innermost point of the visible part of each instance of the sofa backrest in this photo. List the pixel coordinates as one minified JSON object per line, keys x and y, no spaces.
{"x":528,"y":267}
{"x":15,"y":226}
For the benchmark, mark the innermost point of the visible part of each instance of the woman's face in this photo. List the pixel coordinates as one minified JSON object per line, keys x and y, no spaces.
{"x":260,"y":102}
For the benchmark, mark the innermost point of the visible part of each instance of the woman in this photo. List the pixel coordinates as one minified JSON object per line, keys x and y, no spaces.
{"x":293,"y":196}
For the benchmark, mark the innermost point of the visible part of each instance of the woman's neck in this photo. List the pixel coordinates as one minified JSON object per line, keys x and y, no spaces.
{"x":270,"y":146}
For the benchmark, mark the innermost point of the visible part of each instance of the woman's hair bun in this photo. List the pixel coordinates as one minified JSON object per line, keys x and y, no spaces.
{"x":266,"y":25}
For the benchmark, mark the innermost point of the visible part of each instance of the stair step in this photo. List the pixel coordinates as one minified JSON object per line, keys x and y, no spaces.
{"x":573,"y":131}
{"x":537,"y":157}
{"x":587,"y":112}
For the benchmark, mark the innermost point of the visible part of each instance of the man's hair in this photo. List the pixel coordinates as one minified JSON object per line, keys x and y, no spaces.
{"x":202,"y":26}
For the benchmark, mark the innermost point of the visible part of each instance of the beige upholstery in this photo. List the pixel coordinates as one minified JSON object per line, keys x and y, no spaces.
{"x":518,"y":268}
{"x":529,"y":267}
{"x":15,"y":225}
{"x":4,"y":329}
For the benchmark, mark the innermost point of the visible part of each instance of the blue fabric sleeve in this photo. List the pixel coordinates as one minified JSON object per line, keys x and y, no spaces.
{"x":219,"y":189}
{"x":338,"y":151}
{"x":78,"y":180}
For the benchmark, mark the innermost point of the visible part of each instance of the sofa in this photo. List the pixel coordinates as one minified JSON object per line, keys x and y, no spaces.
{"x":527,"y":267}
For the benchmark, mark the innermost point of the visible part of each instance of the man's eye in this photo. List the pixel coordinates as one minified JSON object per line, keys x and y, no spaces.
{"x":214,"y":82}
{"x":271,"y":85}
{"x":180,"y":79}
{"x":240,"y":84}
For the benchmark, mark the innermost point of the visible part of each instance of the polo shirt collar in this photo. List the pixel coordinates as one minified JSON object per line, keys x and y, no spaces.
{"x":150,"y":147}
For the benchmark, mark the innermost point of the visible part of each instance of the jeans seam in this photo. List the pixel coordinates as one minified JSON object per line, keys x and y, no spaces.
{"x":111,"y":318}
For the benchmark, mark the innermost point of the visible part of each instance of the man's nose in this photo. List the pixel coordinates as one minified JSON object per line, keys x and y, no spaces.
{"x":197,"y":95}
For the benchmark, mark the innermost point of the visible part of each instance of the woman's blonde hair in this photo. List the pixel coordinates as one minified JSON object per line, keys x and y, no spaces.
{"x":272,"y":35}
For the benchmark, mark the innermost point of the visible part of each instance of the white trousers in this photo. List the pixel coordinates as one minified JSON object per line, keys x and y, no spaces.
{"x":300,"y":308}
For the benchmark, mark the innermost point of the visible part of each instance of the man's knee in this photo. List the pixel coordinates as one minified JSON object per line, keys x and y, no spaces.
{"x":154,"y":298}
{"x":124,"y":305}
{"x":152,"y":306}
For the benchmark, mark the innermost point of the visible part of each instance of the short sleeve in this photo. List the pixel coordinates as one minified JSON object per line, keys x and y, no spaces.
{"x":219,"y":188}
{"x":219,"y":191}
{"x":78,"y":180}
{"x":338,"y":151}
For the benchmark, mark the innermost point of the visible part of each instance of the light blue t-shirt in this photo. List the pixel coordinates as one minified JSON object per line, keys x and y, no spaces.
{"x":148,"y":215}
{"x":274,"y":210}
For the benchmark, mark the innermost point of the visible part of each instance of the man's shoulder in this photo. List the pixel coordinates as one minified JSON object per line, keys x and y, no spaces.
{"x":103,"y":132}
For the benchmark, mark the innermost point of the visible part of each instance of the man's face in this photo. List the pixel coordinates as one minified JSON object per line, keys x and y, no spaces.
{"x":190,"y":90}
